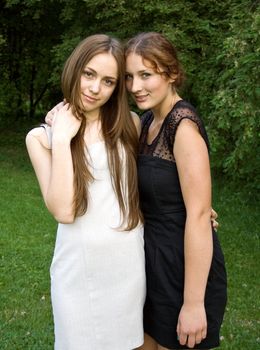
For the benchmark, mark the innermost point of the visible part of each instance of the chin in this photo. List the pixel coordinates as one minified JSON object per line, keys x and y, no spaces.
{"x":143,"y":106}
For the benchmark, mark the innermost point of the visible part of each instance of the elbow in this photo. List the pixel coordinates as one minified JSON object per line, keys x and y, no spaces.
{"x":62,"y":216}
{"x":199,"y":214}
{"x":64,"y":219}
{"x":205,"y":213}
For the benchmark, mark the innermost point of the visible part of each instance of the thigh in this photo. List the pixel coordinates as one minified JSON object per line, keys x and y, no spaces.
{"x":162,"y":348}
{"x":149,"y":343}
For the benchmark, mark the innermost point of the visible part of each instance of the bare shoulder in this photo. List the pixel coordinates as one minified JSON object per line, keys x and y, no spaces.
{"x":188,"y":124}
{"x":37,"y":135}
{"x":36,"y":132}
{"x":137,"y":122}
{"x":187,"y":132}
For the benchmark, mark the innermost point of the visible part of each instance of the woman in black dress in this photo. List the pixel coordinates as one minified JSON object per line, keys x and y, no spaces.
{"x":186,"y":277}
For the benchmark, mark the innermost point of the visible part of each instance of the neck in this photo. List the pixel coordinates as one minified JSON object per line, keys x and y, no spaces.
{"x":160,"y":112}
{"x":92,"y":118}
{"x":93,"y":132}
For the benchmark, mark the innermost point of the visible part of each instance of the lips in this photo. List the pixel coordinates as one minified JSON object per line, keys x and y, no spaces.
{"x":89,"y":98}
{"x":141,"y":98}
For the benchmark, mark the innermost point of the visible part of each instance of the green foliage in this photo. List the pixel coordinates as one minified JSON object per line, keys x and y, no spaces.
{"x":217,"y":42}
{"x":227,"y":94}
{"x":237,"y":122}
{"x":24,"y":58}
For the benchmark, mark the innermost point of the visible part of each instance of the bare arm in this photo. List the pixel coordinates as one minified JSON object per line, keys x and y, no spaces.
{"x":194,"y":171}
{"x":54,"y":168}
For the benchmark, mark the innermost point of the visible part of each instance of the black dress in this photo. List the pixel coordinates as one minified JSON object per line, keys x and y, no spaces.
{"x":165,"y":215}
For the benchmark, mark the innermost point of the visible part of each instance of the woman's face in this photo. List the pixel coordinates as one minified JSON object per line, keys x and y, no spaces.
{"x":98,"y":81}
{"x":149,"y":89}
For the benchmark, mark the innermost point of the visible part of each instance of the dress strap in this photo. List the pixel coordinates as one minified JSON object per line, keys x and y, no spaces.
{"x":48,"y":133}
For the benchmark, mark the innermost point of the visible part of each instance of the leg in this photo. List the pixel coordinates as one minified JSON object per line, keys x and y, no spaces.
{"x":162,"y":348}
{"x":149,"y":343}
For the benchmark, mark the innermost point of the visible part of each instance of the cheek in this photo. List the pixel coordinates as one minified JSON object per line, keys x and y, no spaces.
{"x":108,"y":93}
{"x":154,"y":85}
{"x":82,"y":82}
{"x":128,"y":85}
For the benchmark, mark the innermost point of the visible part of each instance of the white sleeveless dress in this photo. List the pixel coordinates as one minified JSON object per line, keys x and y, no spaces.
{"x":98,"y":273}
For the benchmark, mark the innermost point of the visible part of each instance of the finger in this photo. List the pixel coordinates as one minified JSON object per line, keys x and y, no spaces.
{"x":178,"y":331}
{"x":191,"y":340}
{"x":57,"y":107}
{"x":183,"y":338}
{"x":178,"y":328}
{"x":204,"y":333}
{"x":48,"y":118}
{"x":52,"y":111}
{"x":60,"y":105}
{"x":214,"y":213}
{"x":65,"y":106}
{"x":49,"y":114}
{"x":177,"y":336}
{"x":215,"y":224}
{"x":198,"y":337}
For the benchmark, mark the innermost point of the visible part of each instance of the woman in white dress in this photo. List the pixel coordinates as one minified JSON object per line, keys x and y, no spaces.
{"x":86,"y":167}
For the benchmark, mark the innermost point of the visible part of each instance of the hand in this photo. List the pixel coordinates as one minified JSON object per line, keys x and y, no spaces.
{"x":64,"y":124}
{"x":213,"y":218}
{"x":50,"y":115}
{"x":192,"y":324}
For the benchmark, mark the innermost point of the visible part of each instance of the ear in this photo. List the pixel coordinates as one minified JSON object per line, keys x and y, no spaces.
{"x":172,"y":78}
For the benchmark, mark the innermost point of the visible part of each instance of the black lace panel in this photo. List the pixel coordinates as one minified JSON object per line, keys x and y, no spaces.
{"x":162,"y":145}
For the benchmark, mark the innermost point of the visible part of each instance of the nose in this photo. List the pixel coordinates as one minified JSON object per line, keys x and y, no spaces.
{"x":136,"y":85}
{"x":95,"y":86}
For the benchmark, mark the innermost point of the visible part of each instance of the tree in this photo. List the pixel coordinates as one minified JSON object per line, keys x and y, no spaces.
{"x":217,"y":43}
{"x":227,"y":91}
{"x":26,"y":42}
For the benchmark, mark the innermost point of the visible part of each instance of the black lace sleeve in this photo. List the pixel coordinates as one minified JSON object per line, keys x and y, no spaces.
{"x":162,"y":145}
{"x":183,"y":110}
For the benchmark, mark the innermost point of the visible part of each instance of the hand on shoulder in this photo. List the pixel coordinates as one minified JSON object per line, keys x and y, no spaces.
{"x":65,"y":125}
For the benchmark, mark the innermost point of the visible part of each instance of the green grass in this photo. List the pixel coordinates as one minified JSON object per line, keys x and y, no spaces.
{"x":239,"y":235}
{"x":27,"y":237}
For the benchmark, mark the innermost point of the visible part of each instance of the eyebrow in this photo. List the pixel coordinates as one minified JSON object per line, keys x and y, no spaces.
{"x":107,"y":77}
{"x":140,"y":71}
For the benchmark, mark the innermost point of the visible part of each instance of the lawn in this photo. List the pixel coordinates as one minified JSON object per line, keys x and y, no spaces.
{"x":27,"y":237}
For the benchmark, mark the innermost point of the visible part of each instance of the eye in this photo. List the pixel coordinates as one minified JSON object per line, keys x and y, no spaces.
{"x":87,"y":74}
{"x":128,"y":77}
{"x":109,"y":82}
{"x":145,"y":75}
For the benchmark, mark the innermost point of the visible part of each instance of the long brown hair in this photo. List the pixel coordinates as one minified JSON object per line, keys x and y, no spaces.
{"x":160,"y":52}
{"x":117,"y":127}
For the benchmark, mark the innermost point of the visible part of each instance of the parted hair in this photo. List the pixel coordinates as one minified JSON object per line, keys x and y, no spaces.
{"x":160,"y":52}
{"x":117,"y":128}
